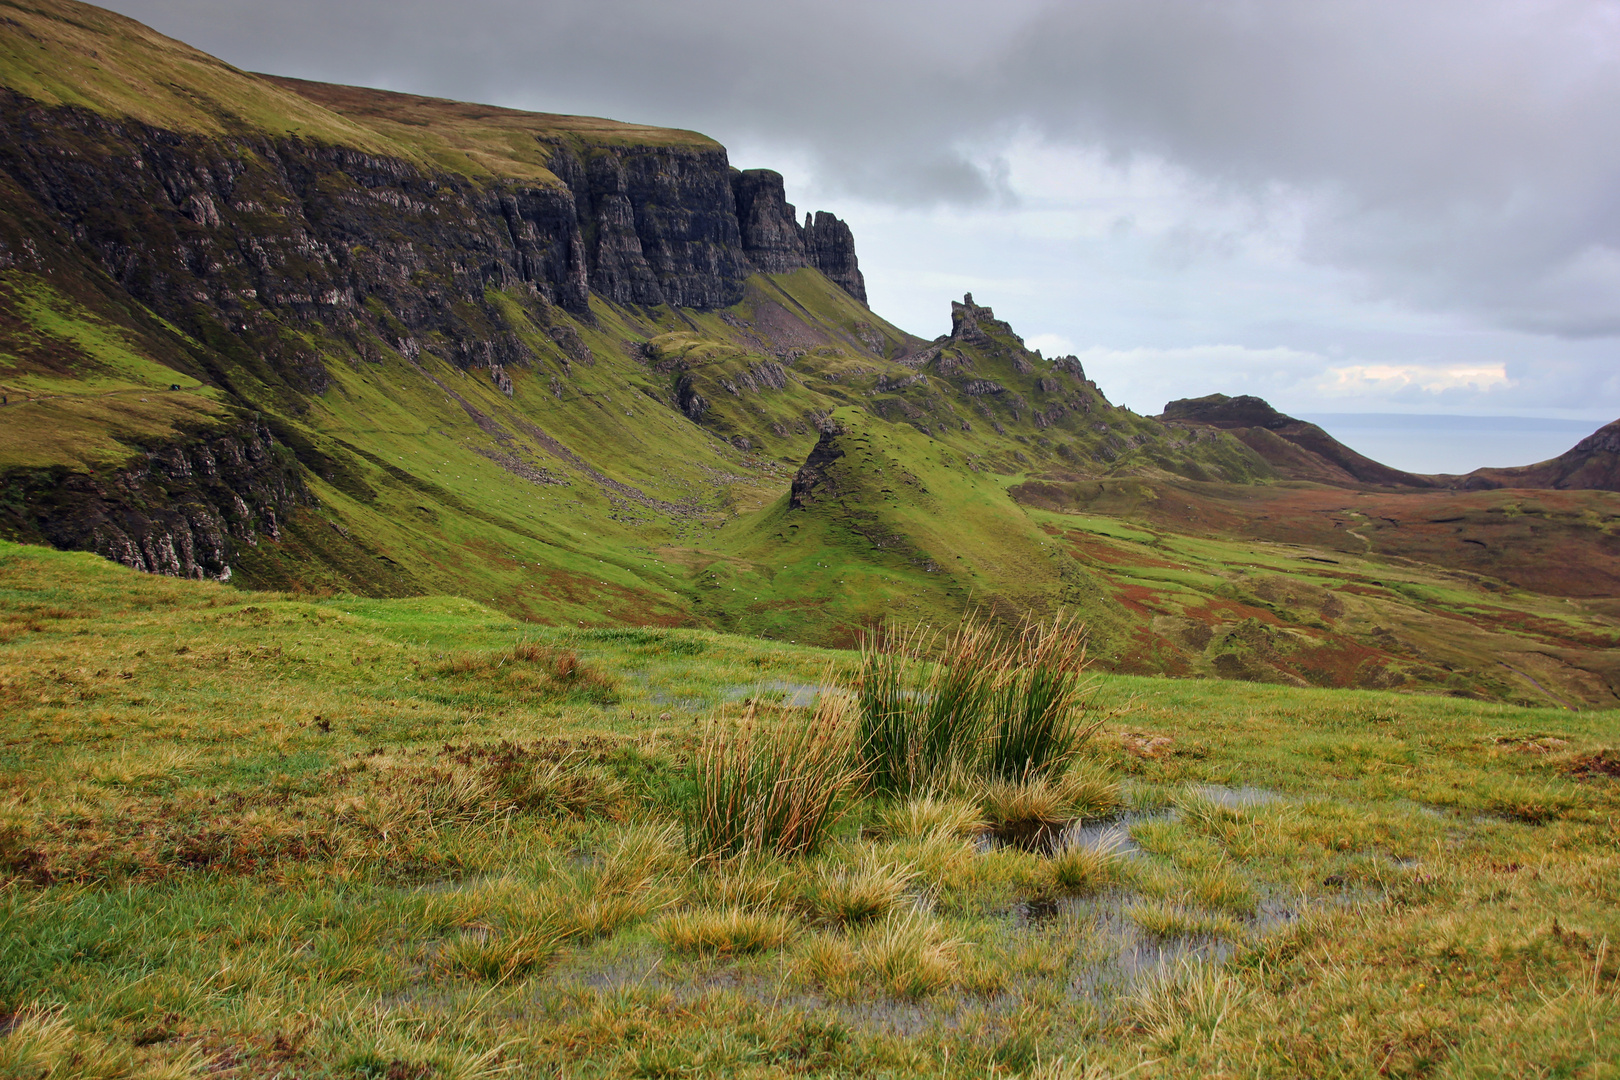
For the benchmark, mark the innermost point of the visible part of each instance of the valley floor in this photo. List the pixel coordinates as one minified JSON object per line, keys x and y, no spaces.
{"x":264,"y":834}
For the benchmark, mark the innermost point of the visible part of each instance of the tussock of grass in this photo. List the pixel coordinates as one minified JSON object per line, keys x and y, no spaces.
{"x":498,"y":958}
{"x":924,"y":815}
{"x":1189,"y":1001}
{"x":769,"y":786}
{"x":860,"y":893}
{"x":734,"y":930}
{"x":828,"y":960}
{"x":45,"y":1045}
{"x":1085,"y":868}
{"x":1041,"y":802}
{"x":909,"y":954}
{"x":751,"y":882}
{"x":1222,"y":889}
{"x":1162,"y":919}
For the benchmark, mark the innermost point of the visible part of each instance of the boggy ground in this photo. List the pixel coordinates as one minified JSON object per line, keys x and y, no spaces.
{"x":263,"y":835}
{"x":1497,"y":594}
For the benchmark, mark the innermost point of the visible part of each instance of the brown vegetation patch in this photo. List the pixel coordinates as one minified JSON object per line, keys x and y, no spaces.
{"x":1140,"y":599}
{"x":526,"y":672}
{"x":1339,"y":662}
{"x":1092,"y":547}
{"x":1604,"y":762}
{"x":1144,"y":744}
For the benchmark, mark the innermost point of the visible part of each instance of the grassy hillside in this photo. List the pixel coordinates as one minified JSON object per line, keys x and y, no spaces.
{"x":59,"y":52}
{"x":256,"y":834}
{"x":458,"y":432}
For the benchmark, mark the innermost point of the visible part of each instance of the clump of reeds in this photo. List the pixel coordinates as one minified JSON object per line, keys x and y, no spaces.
{"x":770,"y":786}
{"x":924,"y":703}
{"x":935,"y":710}
{"x":1036,"y":724}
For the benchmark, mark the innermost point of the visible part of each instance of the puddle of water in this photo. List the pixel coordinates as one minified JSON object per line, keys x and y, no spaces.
{"x":794,"y":695}
{"x":1080,"y":832}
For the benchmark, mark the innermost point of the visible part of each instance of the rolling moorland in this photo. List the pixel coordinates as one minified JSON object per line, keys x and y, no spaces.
{"x":493,"y":474}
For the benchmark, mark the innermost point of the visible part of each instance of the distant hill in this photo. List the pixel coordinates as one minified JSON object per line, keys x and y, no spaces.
{"x":1593,"y":464}
{"x":1296,"y":449}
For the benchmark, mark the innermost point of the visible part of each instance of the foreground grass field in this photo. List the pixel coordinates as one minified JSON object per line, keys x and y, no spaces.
{"x":259,"y":834}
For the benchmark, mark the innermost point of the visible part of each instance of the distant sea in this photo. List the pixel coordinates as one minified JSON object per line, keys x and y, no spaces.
{"x":1424,"y":443}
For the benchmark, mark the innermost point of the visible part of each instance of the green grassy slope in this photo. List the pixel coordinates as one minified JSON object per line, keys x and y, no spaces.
{"x":60,"y":52}
{"x":271,"y":833}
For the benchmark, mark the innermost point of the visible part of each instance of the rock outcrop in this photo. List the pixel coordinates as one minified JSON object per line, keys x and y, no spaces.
{"x":771,"y":237}
{"x":183,"y":509}
{"x":815,"y":480}
{"x":776,"y":243}
{"x":830,"y":246}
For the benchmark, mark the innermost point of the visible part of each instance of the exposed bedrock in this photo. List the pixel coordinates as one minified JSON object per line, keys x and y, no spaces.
{"x":332,"y":234}
{"x":184,"y":509}
{"x":775,"y":242}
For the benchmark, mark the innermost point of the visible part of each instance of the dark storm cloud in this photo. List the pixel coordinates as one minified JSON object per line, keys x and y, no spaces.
{"x":1457,"y":154}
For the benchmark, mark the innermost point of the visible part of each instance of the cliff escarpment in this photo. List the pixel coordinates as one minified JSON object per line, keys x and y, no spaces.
{"x":775,"y":243}
{"x":186,"y":509}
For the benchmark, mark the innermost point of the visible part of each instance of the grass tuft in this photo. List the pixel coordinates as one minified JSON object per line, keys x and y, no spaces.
{"x":1085,"y":868}
{"x":860,"y":893}
{"x":763,"y":787}
{"x":1192,"y":999}
{"x":728,"y":931}
{"x":910,"y":955}
{"x":44,"y":1045}
{"x":1162,"y":920}
{"x":499,"y":958}
{"x":924,"y":815}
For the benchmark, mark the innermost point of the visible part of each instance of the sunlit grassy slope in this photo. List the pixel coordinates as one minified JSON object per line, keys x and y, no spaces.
{"x":267,"y":833}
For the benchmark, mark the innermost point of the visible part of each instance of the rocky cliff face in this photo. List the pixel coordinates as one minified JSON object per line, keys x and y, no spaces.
{"x":276,"y":256}
{"x":232,"y":230}
{"x":776,"y":243}
{"x":659,"y":224}
{"x":183,"y":510}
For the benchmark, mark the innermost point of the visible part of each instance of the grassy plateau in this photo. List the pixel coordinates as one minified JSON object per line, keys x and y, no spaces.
{"x":275,"y":835}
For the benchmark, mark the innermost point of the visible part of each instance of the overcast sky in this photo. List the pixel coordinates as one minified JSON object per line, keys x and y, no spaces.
{"x":1366,"y":206}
